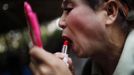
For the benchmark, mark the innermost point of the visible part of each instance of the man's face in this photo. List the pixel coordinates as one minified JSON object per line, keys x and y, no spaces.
{"x":83,"y":26}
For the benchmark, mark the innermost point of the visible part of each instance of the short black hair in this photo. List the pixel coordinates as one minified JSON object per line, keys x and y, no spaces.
{"x":121,"y":18}
{"x":130,"y":3}
{"x":94,"y":4}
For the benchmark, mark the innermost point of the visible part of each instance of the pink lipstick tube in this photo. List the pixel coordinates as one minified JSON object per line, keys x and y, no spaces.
{"x":33,"y":23}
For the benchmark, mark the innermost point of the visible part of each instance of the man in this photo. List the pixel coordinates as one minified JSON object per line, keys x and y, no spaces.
{"x":97,"y":29}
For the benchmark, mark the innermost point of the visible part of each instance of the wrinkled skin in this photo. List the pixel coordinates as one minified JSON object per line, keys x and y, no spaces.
{"x":84,"y":27}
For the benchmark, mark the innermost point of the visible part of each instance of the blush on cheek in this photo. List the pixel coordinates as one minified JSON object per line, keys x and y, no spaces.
{"x":79,"y":24}
{"x":75,"y":21}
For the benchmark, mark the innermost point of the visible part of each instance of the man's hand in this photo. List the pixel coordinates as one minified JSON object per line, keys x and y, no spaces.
{"x":70,"y":63}
{"x":45,"y":63}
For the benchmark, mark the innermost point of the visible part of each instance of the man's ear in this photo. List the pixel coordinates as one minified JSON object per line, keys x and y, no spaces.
{"x":111,"y":8}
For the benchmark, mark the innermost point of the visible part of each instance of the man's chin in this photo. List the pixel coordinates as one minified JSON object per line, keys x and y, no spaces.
{"x":74,"y":49}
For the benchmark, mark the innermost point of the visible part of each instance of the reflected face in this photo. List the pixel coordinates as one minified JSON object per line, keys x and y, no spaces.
{"x":83,"y":26}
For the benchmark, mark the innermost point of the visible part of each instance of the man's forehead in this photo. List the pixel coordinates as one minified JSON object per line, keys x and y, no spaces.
{"x":73,"y":0}
{"x":69,"y":0}
{"x":66,"y":0}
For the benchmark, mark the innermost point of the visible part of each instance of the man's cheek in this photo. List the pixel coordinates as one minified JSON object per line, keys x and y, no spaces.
{"x":75,"y":22}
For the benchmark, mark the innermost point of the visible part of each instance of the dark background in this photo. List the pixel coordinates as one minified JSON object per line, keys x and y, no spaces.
{"x":12,"y":18}
{"x":12,"y":13}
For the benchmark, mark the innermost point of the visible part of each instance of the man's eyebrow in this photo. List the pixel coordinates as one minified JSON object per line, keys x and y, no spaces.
{"x":65,"y":2}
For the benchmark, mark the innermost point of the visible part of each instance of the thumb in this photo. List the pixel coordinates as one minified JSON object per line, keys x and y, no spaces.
{"x":41,"y":55}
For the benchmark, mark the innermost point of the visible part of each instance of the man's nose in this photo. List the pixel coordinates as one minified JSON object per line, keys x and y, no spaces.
{"x":62,"y":22}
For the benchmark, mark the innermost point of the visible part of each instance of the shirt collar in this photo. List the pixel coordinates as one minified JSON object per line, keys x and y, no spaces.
{"x":125,"y":65}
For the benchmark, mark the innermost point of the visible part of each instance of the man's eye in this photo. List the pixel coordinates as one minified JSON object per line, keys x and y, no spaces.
{"x":67,"y":9}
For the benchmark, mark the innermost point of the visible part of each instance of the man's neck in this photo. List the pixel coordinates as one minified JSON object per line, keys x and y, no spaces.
{"x":109,"y":59}
{"x":107,"y":65}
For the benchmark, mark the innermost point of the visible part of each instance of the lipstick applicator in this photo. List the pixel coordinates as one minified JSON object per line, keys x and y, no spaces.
{"x":64,"y":50}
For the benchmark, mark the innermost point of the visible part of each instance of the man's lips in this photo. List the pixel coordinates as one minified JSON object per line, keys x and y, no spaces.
{"x":70,"y":45}
{"x":68,"y":39}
